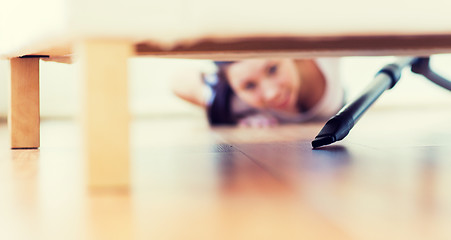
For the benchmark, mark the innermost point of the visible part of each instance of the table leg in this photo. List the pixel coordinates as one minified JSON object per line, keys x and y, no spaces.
{"x":105,"y":114}
{"x":23,"y":116}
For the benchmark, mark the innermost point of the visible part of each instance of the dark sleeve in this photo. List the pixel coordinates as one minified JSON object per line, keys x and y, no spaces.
{"x":219,"y":107}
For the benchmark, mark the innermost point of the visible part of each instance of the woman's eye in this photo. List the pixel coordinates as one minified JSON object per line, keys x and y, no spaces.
{"x":250,"y":85}
{"x":272,"y":69}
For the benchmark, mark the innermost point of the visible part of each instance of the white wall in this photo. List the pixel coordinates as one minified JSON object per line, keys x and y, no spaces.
{"x":148,"y":86}
{"x":3,"y":88}
{"x":411,"y":90}
{"x":150,"y":94}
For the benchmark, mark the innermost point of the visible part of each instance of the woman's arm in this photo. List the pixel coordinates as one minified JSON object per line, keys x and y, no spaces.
{"x":188,"y":85}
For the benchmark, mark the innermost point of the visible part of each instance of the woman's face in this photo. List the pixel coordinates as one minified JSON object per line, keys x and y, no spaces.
{"x":266,"y":84}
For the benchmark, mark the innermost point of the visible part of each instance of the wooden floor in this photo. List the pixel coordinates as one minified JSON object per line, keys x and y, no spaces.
{"x":390,"y":179}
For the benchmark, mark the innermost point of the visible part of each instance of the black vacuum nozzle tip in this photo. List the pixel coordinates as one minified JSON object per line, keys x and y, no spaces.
{"x":323,"y":140}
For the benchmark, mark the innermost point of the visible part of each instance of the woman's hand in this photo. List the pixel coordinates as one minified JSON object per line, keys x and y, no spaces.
{"x":258,"y":120}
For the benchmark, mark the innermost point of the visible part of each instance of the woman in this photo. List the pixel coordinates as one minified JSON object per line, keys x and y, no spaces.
{"x":266,"y":92}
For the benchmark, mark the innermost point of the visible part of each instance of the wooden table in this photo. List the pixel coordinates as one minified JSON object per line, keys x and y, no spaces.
{"x":102,"y":34}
